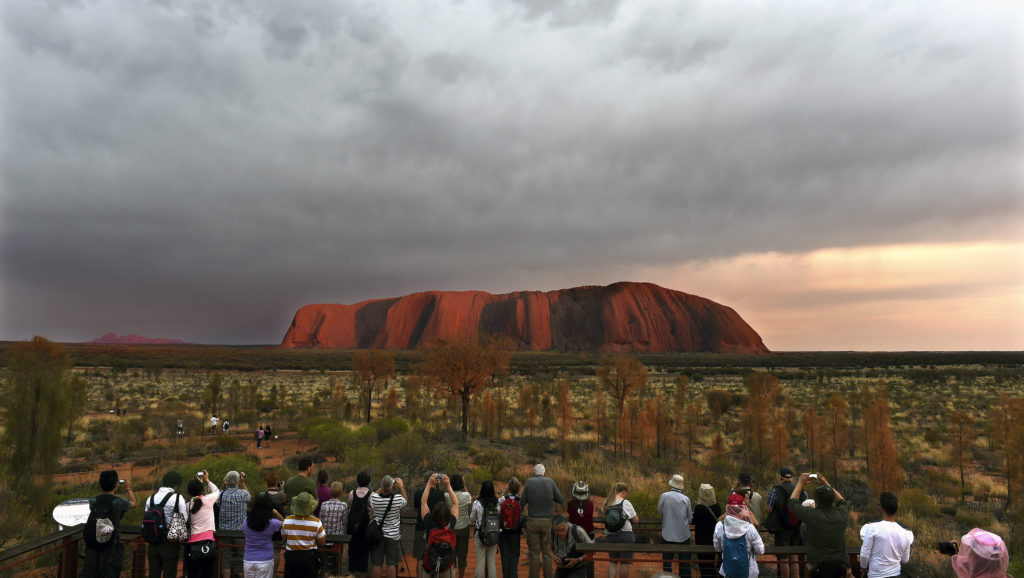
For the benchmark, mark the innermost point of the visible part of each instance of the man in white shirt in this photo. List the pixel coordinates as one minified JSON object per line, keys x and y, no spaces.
{"x":676,"y":514}
{"x":886,"y":544}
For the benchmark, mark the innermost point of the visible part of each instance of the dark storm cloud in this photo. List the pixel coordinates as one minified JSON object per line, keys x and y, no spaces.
{"x":200,"y":171}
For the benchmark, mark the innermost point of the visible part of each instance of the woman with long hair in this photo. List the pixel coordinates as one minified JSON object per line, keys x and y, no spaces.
{"x":201,"y":549}
{"x":323,"y":490}
{"x":618,"y":564}
{"x":486,"y":504}
{"x":511,"y":539}
{"x":259,"y":527}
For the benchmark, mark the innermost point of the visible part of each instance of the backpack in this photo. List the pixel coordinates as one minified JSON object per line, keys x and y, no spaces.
{"x":781,"y":517}
{"x":440,"y":551}
{"x":735,"y":560}
{"x":490,"y":527}
{"x":614,"y":517}
{"x":359,"y":515}
{"x":102,"y":524}
{"x":154,"y":521}
{"x":511,"y":514}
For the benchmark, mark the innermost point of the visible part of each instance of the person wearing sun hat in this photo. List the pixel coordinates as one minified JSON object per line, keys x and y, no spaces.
{"x":982,"y":554}
{"x":705,"y":514}
{"x":302,"y":533}
{"x":581,"y":508}
{"x":676,"y":512}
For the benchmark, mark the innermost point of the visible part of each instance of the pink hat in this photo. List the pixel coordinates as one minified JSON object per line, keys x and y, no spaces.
{"x":982,"y":555}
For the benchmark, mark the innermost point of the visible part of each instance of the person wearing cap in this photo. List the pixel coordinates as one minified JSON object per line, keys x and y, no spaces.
{"x":826,"y":525}
{"x":234,"y":500}
{"x":302,"y":533}
{"x":539,"y":497}
{"x":581,"y":508}
{"x":755,"y":501}
{"x":885,"y":545}
{"x":676,"y":513}
{"x":785,"y":535}
{"x":982,"y":554}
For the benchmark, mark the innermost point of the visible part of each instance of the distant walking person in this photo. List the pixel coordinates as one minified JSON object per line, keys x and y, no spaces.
{"x":103,"y":548}
{"x":181,"y":428}
{"x":213,"y":424}
{"x":885,"y":545}
{"x":227,"y":425}
{"x":259,"y":437}
{"x":539,"y":497}
{"x":676,"y":513}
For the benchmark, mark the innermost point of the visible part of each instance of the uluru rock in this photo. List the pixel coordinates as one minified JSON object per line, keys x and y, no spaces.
{"x":639,"y":317}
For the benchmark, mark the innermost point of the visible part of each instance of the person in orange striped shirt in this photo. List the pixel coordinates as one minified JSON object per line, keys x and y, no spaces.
{"x":302,"y":533}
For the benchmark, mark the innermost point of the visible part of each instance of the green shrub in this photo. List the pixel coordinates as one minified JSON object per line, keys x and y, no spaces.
{"x":969,"y":519}
{"x":226,"y":443}
{"x":919,"y":502}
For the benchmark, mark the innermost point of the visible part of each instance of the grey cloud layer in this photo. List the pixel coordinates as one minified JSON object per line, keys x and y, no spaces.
{"x":200,"y":172}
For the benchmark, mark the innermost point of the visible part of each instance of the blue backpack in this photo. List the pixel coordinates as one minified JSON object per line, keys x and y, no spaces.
{"x":735,"y":560}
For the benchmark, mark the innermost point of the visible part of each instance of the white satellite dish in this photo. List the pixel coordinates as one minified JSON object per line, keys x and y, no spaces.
{"x":71,"y":512}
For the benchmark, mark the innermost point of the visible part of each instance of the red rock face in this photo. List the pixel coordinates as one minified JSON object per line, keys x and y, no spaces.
{"x":621,"y":317}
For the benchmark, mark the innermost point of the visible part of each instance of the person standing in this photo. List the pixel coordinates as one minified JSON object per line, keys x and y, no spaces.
{"x":355,"y":525}
{"x":486,"y":504}
{"x":705,"y":516}
{"x":437,"y":522}
{"x":511,"y":538}
{"x":618,"y":563}
{"x":386,"y":505}
{"x":434,"y":496}
{"x":234,"y":500}
{"x":738,"y":541}
{"x":201,"y":549}
{"x":259,"y":437}
{"x":163,"y":556}
{"x":885,"y":545}
{"x":826,"y":524}
{"x":333,"y":513}
{"x":323,"y":491}
{"x":539,"y":497}
{"x":676,"y":512}
{"x":259,"y":528}
{"x":462,"y":527}
{"x":755,"y":502}
{"x":581,"y":508}
{"x":778,"y":522}
{"x":213,"y":424}
{"x":301,"y":481}
{"x":103,"y":548}
{"x":302,"y":533}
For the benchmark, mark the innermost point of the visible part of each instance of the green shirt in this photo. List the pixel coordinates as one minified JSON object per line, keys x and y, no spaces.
{"x":826,"y":531}
{"x":298,"y":484}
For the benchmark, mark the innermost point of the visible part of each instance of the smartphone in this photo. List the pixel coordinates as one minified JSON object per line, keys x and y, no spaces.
{"x":199,"y":475}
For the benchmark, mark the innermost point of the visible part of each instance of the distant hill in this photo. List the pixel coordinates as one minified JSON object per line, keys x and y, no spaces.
{"x":111,"y":338}
{"x":640,"y":317}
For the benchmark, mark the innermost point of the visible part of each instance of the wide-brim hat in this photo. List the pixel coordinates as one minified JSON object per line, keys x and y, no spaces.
{"x":580,"y":490}
{"x":303,"y":504}
{"x":677,"y":482}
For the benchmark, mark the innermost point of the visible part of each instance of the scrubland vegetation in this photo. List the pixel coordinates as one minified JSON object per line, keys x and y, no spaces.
{"x":944,"y":430}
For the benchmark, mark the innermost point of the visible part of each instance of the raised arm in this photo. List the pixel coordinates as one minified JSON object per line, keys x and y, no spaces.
{"x":451,"y":494}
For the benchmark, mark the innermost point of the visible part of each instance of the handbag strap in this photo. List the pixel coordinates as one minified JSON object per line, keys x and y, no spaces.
{"x":386,"y":510}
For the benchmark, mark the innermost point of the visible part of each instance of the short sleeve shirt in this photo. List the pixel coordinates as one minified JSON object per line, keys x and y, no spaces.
{"x":391,"y":526}
{"x":629,"y":511}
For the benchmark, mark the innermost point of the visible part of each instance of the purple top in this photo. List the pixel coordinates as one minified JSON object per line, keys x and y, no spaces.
{"x":259,"y":546}
{"x":323,"y":493}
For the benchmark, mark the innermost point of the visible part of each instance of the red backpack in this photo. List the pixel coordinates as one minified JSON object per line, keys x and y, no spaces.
{"x":440,"y":552}
{"x":511,"y":514}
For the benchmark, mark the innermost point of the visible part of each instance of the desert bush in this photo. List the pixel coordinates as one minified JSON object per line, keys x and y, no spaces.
{"x":918,"y":502}
{"x":226,"y":443}
{"x":387,"y":428}
{"x":968,"y":519}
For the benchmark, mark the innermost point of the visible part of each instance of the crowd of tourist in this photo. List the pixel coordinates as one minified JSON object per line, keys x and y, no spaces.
{"x":304,"y":510}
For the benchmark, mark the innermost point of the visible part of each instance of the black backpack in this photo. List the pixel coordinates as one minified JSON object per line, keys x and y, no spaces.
{"x":781,"y":518}
{"x":101,"y":527}
{"x":490,"y":527}
{"x":154,"y":521}
{"x":359,"y":515}
{"x":614,"y":517}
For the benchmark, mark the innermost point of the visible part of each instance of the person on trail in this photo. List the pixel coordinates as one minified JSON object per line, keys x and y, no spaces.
{"x":539,"y":497}
{"x":213,"y":424}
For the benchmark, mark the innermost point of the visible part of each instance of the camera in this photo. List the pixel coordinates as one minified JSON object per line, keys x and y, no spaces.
{"x":812,"y":477}
{"x":121,"y":481}
{"x":948,"y":548}
{"x":199,"y":475}
{"x":440,"y":478}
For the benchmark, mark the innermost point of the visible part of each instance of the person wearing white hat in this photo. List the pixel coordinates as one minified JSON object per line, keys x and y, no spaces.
{"x":676,"y":513}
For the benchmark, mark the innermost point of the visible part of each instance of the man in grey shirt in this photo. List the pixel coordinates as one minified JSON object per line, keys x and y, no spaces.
{"x":676,"y":513}
{"x":539,"y":497}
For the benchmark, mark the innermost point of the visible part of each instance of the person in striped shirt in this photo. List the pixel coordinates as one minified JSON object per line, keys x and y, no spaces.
{"x":389,"y":551}
{"x":302,"y":533}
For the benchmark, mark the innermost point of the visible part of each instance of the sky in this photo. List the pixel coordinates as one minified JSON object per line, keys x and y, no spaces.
{"x":845,"y":175}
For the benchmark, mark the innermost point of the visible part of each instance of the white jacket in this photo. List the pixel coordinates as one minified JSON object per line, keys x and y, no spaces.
{"x":734,"y":528}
